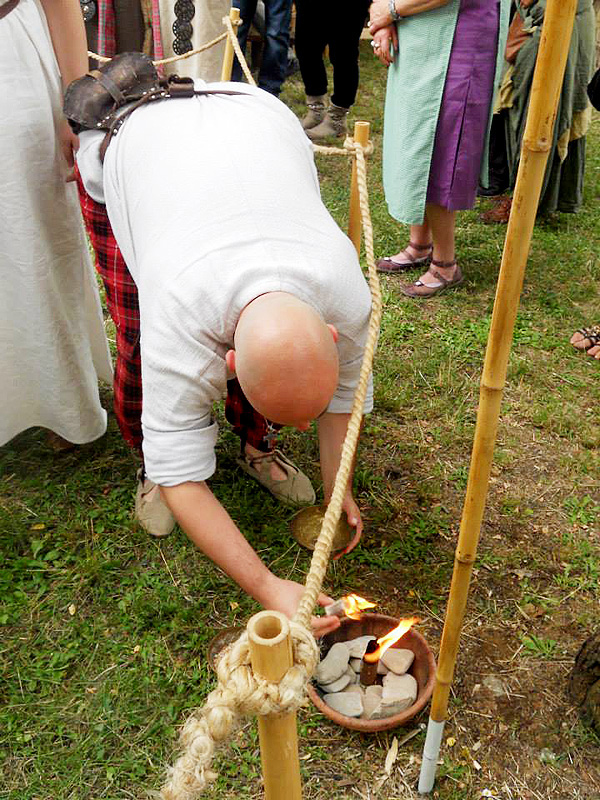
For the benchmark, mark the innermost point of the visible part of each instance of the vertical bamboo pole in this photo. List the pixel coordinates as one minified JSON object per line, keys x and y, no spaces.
{"x":234,"y":15}
{"x":271,"y":657}
{"x":545,"y":92}
{"x":361,"y":135}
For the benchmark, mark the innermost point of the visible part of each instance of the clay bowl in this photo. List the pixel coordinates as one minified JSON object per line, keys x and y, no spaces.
{"x":422,"y":669}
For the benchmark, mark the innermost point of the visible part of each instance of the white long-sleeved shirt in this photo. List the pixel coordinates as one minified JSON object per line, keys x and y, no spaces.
{"x":214,"y":200}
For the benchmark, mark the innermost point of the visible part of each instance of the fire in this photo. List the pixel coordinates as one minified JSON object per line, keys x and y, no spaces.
{"x":353,"y":605}
{"x":390,"y":638}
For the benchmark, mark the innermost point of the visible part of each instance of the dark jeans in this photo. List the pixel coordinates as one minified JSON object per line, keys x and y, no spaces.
{"x":336,"y":23}
{"x":273,"y":67}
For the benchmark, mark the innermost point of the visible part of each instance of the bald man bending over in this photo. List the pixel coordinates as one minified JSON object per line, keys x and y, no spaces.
{"x":240,"y":269}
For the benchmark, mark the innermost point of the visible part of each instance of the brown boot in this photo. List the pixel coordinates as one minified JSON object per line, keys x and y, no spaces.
{"x":334,"y":124}
{"x":316,"y":105}
{"x":499,"y":214}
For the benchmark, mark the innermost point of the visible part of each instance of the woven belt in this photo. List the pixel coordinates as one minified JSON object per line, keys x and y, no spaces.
{"x":6,"y":8}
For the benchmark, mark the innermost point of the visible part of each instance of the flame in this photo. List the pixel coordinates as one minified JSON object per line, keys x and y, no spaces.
{"x":353,"y":605}
{"x":390,"y":638}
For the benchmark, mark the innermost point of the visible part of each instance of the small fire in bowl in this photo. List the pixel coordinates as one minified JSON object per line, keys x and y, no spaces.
{"x":369,"y":679}
{"x":377,"y":647}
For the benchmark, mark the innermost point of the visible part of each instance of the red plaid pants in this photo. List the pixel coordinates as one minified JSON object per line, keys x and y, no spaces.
{"x":122,"y":302}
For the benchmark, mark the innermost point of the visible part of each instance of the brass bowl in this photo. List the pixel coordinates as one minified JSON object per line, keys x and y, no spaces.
{"x":422,"y":670}
{"x":306,"y":526}
{"x":222,"y":640}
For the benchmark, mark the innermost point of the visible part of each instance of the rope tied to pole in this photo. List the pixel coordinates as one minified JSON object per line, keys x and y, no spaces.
{"x":229,"y":33}
{"x":238,"y":692}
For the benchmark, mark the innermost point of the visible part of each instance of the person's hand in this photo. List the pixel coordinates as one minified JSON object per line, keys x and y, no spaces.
{"x":69,"y":144}
{"x":385,"y":43}
{"x":354,"y":519}
{"x":285,"y":597}
{"x":379,"y":16}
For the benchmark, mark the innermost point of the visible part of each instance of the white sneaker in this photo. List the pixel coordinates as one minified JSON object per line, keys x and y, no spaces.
{"x":151,"y":511}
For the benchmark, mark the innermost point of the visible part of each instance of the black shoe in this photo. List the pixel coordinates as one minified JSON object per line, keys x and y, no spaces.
{"x":490,"y":191}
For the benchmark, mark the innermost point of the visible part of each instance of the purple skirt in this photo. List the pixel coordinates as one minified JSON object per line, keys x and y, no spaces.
{"x":464,"y":113}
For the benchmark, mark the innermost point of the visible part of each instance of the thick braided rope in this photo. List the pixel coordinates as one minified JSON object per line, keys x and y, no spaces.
{"x":229,"y":33}
{"x":322,"y":551}
{"x":239,"y":692}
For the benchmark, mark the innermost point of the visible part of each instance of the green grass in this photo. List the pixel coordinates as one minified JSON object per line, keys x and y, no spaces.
{"x":104,"y":633}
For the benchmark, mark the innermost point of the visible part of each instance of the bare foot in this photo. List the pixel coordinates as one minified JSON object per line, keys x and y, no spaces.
{"x":57,"y":443}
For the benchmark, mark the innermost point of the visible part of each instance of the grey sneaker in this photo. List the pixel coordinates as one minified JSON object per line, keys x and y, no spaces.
{"x":316,"y":110}
{"x":334,"y":123}
{"x":295,"y":489}
{"x":151,"y":511}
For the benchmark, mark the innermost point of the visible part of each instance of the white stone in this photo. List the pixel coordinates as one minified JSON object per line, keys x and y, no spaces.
{"x":353,"y":676}
{"x":336,"y":686}
{"x":356,"y":664}
{"x":399,"y":693}
{"x":398,"y":660}
{"x":356,"y":688}
{"x":495,"y":685}
{"x":333,"y":665}
{"x":348,"y":703}
{"x":381,"y":668}
{"x":357,"y":646}
{"x":371,"y":700}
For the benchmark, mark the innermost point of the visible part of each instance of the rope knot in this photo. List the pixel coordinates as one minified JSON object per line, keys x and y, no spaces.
{"x":351,"y":146}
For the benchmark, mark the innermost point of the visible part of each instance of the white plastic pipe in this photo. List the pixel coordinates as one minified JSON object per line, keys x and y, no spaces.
{"x":431,"y":752}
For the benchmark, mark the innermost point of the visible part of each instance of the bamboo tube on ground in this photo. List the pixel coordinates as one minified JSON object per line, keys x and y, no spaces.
{"x":271,"y":657}
{"x":545,"y":92}
{"x":361,"y":135}
{"x":234,"y":15}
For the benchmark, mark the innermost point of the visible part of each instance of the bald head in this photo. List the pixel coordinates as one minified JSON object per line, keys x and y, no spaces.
{"x":285,"y":359}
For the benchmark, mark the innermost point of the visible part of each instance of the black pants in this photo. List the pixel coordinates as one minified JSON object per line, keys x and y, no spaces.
{"x":337,"y":23}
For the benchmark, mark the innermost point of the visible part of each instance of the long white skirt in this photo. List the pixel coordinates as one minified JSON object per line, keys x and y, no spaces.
{"x":53,"y":346}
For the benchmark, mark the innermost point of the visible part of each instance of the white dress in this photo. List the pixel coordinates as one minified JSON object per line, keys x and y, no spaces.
{"x":53,"y":346}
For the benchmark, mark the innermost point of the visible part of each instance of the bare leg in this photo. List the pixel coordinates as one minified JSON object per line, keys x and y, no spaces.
{"x":442,"y":224}
{"x":420,"y":235}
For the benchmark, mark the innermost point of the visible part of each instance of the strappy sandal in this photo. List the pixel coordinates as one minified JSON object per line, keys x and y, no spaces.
{"x":420,"y":290}
{"x":591,"y":334}
{"x":387,"y":264}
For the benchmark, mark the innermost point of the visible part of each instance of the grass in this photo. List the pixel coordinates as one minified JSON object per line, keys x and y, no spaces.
{"x":104,"y":633}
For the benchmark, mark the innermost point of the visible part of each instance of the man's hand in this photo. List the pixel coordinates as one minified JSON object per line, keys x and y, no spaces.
{"x":285,"y":597}
{"x":354,"y":519}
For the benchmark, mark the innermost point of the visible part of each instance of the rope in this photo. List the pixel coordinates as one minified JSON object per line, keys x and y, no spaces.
{"x":239,"y":692}
{"x":322,"y":551}
{"x":229,"y":33}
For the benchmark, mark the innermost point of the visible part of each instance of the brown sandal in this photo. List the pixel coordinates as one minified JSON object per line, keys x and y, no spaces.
{"x":420,"y":290}
{"x":387,"y":264}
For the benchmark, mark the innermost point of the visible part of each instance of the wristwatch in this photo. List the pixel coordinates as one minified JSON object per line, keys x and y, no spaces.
{"x":396,"y":17}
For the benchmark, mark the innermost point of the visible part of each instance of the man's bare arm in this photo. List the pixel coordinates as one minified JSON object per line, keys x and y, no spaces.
{"x":332,"y":432}
{"x":210,"y":527}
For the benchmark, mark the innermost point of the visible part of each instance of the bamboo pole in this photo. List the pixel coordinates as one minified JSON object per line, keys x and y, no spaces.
{"x":234,"y":15}
{"x":361,"y":135}
{"x":537,"y":140}
{"x":271,"y":657}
